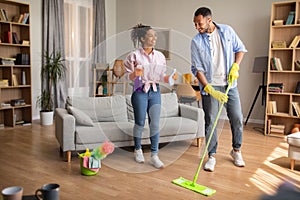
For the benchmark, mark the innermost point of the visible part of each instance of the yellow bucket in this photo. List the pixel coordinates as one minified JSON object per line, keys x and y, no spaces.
{"x":86,"y":171}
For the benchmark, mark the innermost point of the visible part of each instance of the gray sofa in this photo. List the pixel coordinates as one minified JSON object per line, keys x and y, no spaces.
{"x":88,"y":121}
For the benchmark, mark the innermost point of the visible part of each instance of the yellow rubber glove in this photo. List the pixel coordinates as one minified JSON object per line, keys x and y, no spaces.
{"x":220,"y":96}
{"x":234,"y":72}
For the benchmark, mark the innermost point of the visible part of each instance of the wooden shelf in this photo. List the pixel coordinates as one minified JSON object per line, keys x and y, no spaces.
{"x":289,"y":76}
{"x":104,"y":76}
{"x":9,"y":48}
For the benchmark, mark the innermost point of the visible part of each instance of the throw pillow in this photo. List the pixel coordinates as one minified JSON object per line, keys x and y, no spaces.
{"x":80,"y":117}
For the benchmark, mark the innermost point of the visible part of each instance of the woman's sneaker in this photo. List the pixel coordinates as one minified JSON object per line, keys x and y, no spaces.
{"x":138,"y":155}
{"x":237,"y":158}
{"x":155,"y":161}
{"x":210,"y":164}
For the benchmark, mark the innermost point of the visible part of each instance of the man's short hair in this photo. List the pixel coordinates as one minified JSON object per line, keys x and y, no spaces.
{"x":204,"y":11}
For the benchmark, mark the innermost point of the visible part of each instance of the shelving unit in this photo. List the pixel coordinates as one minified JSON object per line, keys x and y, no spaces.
{"x":18,"y":73}
{"x":103,"y":75}
{"x":290,"y":73}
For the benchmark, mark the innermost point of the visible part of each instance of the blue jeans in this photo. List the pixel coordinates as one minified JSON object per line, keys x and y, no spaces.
{"x":149,"y":103}
{"x":234,"y":112}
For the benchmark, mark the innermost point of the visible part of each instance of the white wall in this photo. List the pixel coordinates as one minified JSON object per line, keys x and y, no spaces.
{"x":250,"y":19}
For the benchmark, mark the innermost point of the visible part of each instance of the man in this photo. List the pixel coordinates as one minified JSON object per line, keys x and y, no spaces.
{"x":216,"y":52}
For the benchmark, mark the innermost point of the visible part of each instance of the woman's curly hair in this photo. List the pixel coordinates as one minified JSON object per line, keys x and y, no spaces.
{"x":139,"y":31}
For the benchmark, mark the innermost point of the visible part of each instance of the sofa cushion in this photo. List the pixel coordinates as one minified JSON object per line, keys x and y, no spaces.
{"x":169,"y":106}
{"x":104,"y":131}
{"x":123,"y":131}
{"x":80,"y":117}
{"x":101,"y":109}
{"x":172,"y":126}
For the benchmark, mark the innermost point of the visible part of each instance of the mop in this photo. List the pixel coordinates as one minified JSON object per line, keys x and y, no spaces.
{"x":192,"y":185}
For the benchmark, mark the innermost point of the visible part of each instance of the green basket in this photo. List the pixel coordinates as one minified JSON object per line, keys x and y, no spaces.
{"x":86,"y":171}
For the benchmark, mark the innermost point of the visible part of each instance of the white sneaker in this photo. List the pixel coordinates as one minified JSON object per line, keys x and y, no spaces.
{"x":156,"y":162}
{"x":210,"y":164}
{"x":138,"y":155}
{"x":237,"y":157}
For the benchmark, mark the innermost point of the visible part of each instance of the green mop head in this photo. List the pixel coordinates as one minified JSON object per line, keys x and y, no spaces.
{"x":194,"y":186}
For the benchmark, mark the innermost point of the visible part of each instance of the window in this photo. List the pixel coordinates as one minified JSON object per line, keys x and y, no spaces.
{"x":78,"y":43}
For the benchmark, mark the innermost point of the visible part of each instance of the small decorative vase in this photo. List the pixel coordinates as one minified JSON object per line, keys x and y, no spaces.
{"x":296,"y":128}
{"x":118,"y":68}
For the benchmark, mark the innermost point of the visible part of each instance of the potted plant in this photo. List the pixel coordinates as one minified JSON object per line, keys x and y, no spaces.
{"x":53,"y":70}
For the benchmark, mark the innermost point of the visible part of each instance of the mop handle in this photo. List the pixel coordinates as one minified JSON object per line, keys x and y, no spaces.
{"x":210,"y":136}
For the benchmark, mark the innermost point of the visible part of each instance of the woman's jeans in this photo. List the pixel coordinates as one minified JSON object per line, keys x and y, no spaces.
{"x":234,"y":112}
{"x":143,"y":103}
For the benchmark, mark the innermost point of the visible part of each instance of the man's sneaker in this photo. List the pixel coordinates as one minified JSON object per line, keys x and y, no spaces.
{"x":156,"y":162}
{"x":138,"y":155}
{"x":210,"y":164}
{"x":237,"y":157}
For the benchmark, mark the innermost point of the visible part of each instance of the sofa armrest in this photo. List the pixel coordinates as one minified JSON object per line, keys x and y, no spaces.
{"x":196,"y":114}
{"x":65,"y":129}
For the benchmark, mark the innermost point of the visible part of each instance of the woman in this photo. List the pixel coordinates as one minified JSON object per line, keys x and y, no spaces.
{"x":146,"y":67}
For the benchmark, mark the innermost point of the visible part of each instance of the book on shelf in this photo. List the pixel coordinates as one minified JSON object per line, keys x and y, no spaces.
{"x":278,"y":44}
{"x":7,"y":58}
{"x":7,"y":37}
{"x":3,"y":82}
{"x":5,"y":105}
{"x":277,"y":126}
{"x":26,"y":124}
{"x":296,"y":108}
{"x":3,"y":15}
{"x":7,"y":61}
{"x":297,"y":65}
{"x":274,"y":130}
{"x":278,"y":22}
{"x":25,"y":18}
{"x":276,"y":64}
{"x":20,"y":18}
{"x":15,"y":38}
{"x":20,"y":122}
{"x":25,"y":42}
{"x":272,"y":107}
{"x":14,"y":80}
{"x":295,"y":42}
{"x":290,"y":18}
{"x":277,"y":129}
{"x":23,"y":59}
{"x":276,"y":87}
{"x":17,"y":102}
{"x":273,"y":64}
{"x":297,"y":91}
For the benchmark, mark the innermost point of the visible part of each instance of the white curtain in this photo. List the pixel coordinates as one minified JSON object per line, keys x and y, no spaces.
{"x":78,"y":45}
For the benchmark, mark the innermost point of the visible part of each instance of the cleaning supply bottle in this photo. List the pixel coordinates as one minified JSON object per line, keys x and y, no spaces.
{"x":100,"y":90}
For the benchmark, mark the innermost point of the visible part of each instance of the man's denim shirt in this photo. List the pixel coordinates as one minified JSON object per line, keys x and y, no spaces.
{"x":201,"y":57}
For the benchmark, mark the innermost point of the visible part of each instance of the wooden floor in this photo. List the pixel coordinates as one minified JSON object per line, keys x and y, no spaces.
{"x":30,"y":158}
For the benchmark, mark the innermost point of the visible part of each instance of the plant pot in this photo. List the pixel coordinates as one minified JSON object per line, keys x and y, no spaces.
{"x":46,"y":117}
